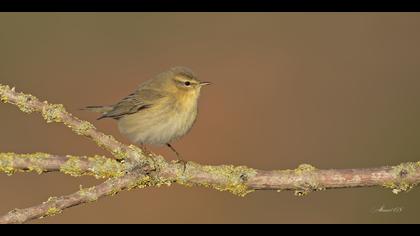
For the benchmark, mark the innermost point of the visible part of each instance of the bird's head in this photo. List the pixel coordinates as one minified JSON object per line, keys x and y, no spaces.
{"x":183,"y":83}
{"x":185,"y":79}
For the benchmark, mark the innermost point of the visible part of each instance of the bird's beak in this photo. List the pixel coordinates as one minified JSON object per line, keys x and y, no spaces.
{"x":204,"y":83}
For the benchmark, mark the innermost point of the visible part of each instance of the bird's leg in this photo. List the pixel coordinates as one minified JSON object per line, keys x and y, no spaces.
{"x":144,"y":148}
{"x":173,"y":149}
{"x":180,"y":160}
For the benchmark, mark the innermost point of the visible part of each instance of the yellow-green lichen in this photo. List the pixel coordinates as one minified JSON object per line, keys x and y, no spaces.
{"x":158,"y":162}
{"x":149,"y":181}
{"x":23,"y":100}
{"x":134,"y":148}
{"x":35,"y":156}
{"x":52,"y":211}
{"x":10,"y":162}
{"x":88,"y":193}
{"x":37,"y":169}
{"x":161,"y":182}
{"x":311,"y":184}
{"x":304,"y":168}
{"x":99,"y":166}
{"x":72,"y":166}
{"x":404,"y":169}
{"x":53,"y":112}
{"x":83,"y":128}
{"x":102,"y":167}
{"x":302,"y":192}
{"x":139,"y":154}
{"x":114,"y":191}
{"x":142,"y":182}
{"x":4,"y":99}
{"x":119,"y":154}
{"x":3,"y":89}
{"x":401,"y":173}
{"x":51,"y":199}
{"x":6,"y":163}
{"x":139,"y":157}
{"x":233,"y":179}
{"x":398,"y":187}
{"x":36,"y":160}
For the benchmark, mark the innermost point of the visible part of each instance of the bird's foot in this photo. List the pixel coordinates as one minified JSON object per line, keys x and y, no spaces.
{"x":183,"y":162}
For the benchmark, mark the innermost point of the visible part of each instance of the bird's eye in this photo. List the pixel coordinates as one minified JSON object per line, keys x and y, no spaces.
{"x":187,"y":83}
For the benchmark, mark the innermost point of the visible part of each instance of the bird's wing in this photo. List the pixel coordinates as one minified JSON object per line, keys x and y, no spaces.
{"x":139,"y":100}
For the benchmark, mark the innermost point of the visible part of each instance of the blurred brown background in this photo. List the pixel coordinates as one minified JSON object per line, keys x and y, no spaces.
{"x":336,"y":90}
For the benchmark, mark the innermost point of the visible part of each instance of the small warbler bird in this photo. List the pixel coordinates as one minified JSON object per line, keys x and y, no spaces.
{"x":160,"y":111}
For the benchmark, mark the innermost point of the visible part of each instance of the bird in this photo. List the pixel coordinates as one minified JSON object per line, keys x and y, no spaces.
{"x":160,"y":111}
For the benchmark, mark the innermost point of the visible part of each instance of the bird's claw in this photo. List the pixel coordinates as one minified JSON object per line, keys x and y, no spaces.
{"x":183,"y":162}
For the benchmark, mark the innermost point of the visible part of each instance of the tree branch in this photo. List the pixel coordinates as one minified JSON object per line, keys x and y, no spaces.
{"x":55,"y":205}
{"x":98,"y":166}
{"x":303,"y":180}
{"x":242,"y":180}
{"x":143,"y":169}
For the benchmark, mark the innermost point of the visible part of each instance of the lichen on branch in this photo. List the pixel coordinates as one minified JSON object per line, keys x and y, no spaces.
{"x":97,"y":166}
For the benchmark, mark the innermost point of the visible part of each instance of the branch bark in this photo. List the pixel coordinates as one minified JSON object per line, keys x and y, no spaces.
{"x":141,"y":169}
{"x":98,"y":166}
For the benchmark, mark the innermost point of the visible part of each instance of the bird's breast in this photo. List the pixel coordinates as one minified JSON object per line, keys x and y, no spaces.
{"x":160,"y":124}
{"x":184,"y":115}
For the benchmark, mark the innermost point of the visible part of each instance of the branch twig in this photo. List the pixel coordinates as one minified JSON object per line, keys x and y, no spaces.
{"x":98,"y":166}
{"x":55,"y":205}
